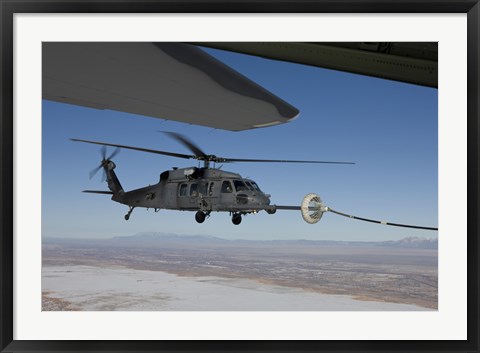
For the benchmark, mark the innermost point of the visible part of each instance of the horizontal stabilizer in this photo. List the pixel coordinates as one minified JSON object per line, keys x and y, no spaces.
{"x":98,"y":192}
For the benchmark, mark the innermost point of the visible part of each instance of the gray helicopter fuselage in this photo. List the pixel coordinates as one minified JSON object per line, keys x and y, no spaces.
{"x":199,"y":189}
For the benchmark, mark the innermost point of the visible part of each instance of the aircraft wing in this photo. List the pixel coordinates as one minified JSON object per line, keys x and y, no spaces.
{"x":411,"y":62}
{"x":173,"y":81}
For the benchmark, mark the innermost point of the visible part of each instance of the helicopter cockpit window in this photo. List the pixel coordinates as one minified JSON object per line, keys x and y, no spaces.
{"x":227,"y":187}
{"x":240,"y":185}
{"x":255,"y":186}
{"x":194,"y":190}
{"x":183,"y":190}
{"x":250,"y":186}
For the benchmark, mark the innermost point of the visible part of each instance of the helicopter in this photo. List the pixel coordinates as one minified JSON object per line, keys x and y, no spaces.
{"x":202,"y":189}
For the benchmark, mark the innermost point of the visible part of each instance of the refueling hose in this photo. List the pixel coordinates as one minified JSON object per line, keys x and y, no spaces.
{"x":380,"y":222}
{"x":328,"y":209}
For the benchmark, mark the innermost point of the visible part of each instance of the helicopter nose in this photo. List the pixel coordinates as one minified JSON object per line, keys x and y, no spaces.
{"x":267,"y":199}
{"x":260,"y":199}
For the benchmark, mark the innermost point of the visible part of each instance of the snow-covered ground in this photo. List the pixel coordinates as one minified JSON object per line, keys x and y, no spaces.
{"x":97,"y":289}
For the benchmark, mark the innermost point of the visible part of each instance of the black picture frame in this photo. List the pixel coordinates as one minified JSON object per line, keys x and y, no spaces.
{"x":10,"y":7}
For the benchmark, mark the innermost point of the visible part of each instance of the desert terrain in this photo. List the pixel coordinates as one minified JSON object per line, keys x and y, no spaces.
{"x":170,"y":272}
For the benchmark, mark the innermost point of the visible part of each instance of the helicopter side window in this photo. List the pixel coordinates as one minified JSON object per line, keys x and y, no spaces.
{"x":194,"y":190}
{"x":183,"y":190}
{"x":227,"y":187}
{"x":240,"y":185}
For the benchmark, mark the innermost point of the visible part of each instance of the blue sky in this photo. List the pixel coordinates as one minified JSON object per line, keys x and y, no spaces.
{"x":389,"y":129}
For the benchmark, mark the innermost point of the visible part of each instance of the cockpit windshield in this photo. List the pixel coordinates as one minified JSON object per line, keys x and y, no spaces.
{"x":253,"y":185}
{"x":240,"y":185}
{"x":246,"y":185}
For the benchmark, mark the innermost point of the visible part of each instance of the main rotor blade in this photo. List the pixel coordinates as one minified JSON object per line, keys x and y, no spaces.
{"x":186,"y":142}
{"x":227,"y":160}
{"x":171,"y":154}
{"x":200,"y":155}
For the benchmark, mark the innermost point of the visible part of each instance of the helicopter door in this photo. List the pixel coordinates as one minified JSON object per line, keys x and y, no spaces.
{"x":212,"y":196}
{"x":226,"y":194}
{"x":193,"y":198}
{"x":183,"y":199}
{"x":210,"y":189}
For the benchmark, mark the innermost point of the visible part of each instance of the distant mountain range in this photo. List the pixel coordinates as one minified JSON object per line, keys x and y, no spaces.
{"x":168,"y":239}
{"x":413,"y":242}
{"x":153,"y":239}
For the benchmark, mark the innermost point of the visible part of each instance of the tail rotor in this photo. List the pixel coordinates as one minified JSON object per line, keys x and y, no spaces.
{"x":105,"y":161}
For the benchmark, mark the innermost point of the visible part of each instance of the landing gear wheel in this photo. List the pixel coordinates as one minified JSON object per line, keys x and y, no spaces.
{"x":237,"y":219}
{"x":130,"y":210}
{"x":200,"y":217}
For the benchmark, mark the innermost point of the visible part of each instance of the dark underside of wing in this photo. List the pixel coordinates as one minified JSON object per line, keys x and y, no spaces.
{"x":172,"y":81}
{"x":410,"y":62}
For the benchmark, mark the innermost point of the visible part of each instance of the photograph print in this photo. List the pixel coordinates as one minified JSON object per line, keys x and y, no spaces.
{"x":272,"y":176}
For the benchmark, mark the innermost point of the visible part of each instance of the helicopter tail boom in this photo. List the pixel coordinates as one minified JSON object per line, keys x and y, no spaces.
{"x":112,"y":180}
